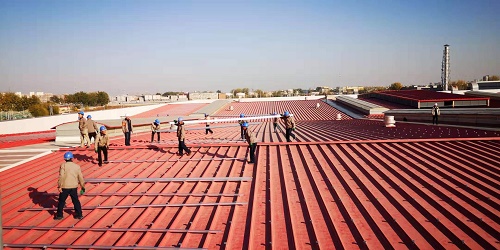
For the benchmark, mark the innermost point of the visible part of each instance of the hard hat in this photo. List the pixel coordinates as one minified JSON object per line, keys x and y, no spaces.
{"x":435,"y":104}
{"x":179,"y":119}
{"x":245,"y":124}
{"x":157,"y":121}
{"x":81,"y":113}
{"x":287,"y":113}
{"x":275,"y":113}
{"x":102,"y":128}
{"x":206,"y":115}
{"x":242,"y":115}
{"x":89,"y":116}
{"x":68,"y":155}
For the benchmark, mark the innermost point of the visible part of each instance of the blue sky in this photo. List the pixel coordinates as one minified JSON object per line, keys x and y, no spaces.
{"x":157,"y":46}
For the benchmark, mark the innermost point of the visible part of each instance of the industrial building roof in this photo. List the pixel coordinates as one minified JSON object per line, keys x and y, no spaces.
{"x":343,"y":184}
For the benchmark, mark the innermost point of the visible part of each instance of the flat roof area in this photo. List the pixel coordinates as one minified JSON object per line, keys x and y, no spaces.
{"x":428,"y":96}
{"x":342,"y":184}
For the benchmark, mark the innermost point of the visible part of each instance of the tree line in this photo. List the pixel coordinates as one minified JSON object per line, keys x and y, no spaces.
{"x":99,"y":98}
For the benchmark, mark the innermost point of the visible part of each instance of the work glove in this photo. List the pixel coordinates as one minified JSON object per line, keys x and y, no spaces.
{"x":95,"y":150}
{"x":293,"y":129}
{"x":82,"y":191}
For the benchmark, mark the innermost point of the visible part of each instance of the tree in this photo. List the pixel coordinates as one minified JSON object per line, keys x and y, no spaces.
{"x":218,"y":91}
{"x":459,"y":84}
{"x":259,"y":93}
{"x":494,"y":78}
{"x":396,"y":86}
{"x":55,"y":99}
{"x":38,"y":110}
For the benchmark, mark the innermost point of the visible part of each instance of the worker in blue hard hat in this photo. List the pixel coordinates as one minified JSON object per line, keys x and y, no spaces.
{"x":155,"y":129}
{"x":207,"y":125}
{"x":70,"y":175}
{"x":84,"y":132}
{"x":289,"y":126}
{"x":181,"y":135}
{"x":251,"y":140}
{"x":242,"y":132}
{"x":102,"y":145}
{"x":92,"y":128}
{"x":127,"y":129}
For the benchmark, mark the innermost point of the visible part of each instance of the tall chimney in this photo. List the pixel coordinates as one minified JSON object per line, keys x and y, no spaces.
{"x":445,"y":67}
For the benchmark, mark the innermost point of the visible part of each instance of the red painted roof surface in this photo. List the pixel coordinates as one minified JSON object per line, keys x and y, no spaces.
{"x":428,"y":96}
{"x":344,"y":184}
{"x":172,"y":110}
{"x":302,"y":110}
{"x":386,"y":104}
{"x":16,"y":140}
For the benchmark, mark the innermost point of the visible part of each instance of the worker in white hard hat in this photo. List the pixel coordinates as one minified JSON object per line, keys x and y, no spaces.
{"x":435,"y":113}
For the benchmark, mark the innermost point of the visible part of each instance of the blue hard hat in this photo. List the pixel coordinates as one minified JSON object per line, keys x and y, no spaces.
{"x":68,"y":155}
{"x":157,"y":121}
{"x":275,"y":113}
{"x":81,"y":113}
{"x":242,"y":115}
{"x":287,"y":113}
{"x":179,"y":119}
{"x":206,"y":114}
{"x":102,"y":128}
{"x":89,"y":116}
{"x":245,"y":124}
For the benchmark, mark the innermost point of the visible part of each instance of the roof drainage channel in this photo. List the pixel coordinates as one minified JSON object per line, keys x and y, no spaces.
{"x":45,"y":246}
{"x":139,"y":206}
{"x":113,"y":180}
{"x":110,"y":229}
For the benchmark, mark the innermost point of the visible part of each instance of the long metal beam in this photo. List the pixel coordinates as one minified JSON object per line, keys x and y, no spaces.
{"x":45,"y":246}
{"x":175,"y":160}
{"x":210,"y":127}
{"x":139,"y":206}
{"x":174,"y":179}
{"x":231,"y":119}
{"x":111,"y":229}
{"x":153,"y":194}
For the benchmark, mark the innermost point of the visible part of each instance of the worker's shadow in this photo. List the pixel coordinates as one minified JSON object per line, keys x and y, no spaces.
{"x":156,"y":148}
{"x":84,"y":158}
{"x":43,"y":199}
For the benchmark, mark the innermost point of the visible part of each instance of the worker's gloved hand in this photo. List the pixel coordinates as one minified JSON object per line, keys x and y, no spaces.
{"x":293,"y":129}
{"x":82,"y":191}
{"x":95,"y":150}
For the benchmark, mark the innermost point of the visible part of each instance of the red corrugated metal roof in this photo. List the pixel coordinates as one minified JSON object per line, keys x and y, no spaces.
{"x":429,"y":96}
{"x":344,"y":184}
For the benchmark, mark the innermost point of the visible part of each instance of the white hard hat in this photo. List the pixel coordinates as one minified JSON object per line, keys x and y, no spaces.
{"x":435,"y":104}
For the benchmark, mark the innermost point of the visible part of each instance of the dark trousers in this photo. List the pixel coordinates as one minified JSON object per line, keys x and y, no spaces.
{"x":242,"y":132}
{"x":288,"y":134}
{"x":182,"y":148}
{"x":104,"y":151}
{"x":275,"y":125}
{"x":252,"y":147}
{"x":62,"y":201}
{"x":435,"y":119}
{"x":153,"y":136}
{"x":127,"y":138}
{"x":92,"y":135}
{"x":208,"y":130}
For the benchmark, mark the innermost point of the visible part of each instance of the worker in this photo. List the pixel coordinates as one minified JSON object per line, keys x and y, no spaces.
{"x":435,"y":113}
{"x":252,"y":142}
{"x":92,"y":128}
{"x":155,"y":129}
{"x":70,"y":175}
{"x":289,"y":126}
{"x":275,"y":123}
{"x":181,"y":135}
{"x":127,"y":129}
{"x":84,"y":132}
{"x":207,"y":125}
{"x":242,"y":132}
{"x":102,"y":145}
